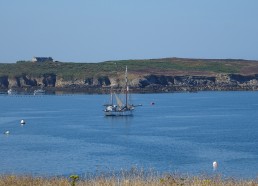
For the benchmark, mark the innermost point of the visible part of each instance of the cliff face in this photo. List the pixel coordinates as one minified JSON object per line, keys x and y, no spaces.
{"x":196,"y":83}
{"x":4,"y":83}
{"x":47,"y":80}
{"x":151,"y":82}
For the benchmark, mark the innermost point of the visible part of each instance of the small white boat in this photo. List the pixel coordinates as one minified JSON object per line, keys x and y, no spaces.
{"x":11,"y":92}
{"x":39,"y":92}
{"x":7,"y":132}
{"x":23,"y":122}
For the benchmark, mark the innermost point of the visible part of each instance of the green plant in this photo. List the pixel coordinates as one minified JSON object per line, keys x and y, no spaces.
{"x":74,"y":179}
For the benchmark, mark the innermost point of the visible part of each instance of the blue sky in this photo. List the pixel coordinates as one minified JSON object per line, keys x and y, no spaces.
{"x":101,"y":30}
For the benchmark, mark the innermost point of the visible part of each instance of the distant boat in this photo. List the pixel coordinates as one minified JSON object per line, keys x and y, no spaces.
{"x":11,"y":92}
{"x":39,"y":92}
{"x":119,"y":106}
{"x":23,"y":122}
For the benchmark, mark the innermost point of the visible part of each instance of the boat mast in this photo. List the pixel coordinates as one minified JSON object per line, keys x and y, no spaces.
{"x":126,"y":85}
{"x":111,"y":95}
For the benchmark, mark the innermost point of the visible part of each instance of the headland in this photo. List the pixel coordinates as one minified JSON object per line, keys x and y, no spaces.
{"x":145,"y":76}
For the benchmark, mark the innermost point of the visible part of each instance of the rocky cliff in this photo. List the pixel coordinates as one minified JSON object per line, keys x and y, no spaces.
{"x":152,"y":83}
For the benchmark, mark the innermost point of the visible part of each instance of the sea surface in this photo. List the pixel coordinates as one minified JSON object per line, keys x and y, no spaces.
{"x":181,"y":133}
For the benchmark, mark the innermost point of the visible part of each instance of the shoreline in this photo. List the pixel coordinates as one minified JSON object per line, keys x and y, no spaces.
{"x":146,"y":90}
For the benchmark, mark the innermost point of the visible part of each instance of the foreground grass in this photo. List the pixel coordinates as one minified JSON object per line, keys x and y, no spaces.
{"x":172,"y":180}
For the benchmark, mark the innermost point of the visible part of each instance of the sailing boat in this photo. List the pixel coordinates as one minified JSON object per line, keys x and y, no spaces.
{"x":117,"y":107}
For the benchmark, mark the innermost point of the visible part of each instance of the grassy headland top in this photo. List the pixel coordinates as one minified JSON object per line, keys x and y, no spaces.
{"x":165,"y":66}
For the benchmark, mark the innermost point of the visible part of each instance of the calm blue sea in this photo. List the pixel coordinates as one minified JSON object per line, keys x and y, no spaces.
{"x":181,"y":133}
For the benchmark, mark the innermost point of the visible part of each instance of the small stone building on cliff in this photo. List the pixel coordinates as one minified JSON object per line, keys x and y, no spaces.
{"x":42,"y":59}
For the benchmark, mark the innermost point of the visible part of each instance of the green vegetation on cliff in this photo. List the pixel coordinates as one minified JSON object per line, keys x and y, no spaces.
{"x":166,"y":66}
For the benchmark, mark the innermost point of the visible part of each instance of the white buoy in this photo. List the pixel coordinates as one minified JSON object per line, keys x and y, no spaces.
{"x":215,"y":165}
{"x":7,"y":132}
{"x":23,"y":122}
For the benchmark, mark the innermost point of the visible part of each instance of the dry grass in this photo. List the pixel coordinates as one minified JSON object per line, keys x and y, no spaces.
{"x":138,"y":180}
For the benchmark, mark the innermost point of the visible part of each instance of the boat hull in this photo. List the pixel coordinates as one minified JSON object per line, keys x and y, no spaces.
{"x":119,"y":113}
{"x":39,"y":92}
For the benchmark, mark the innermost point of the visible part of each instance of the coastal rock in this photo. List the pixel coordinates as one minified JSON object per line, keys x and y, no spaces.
{"x":22,"y":81}
{"x":49,"y":80}
{"x":60,"y":82}
{"x":4,"y":83}
{"x":150,"y":82}
{"x":12,"y":82}
{"x":103,"y":81}
{"x":113,"y":82}
{"x":176,"y":81}
{"x":99,"y":81}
